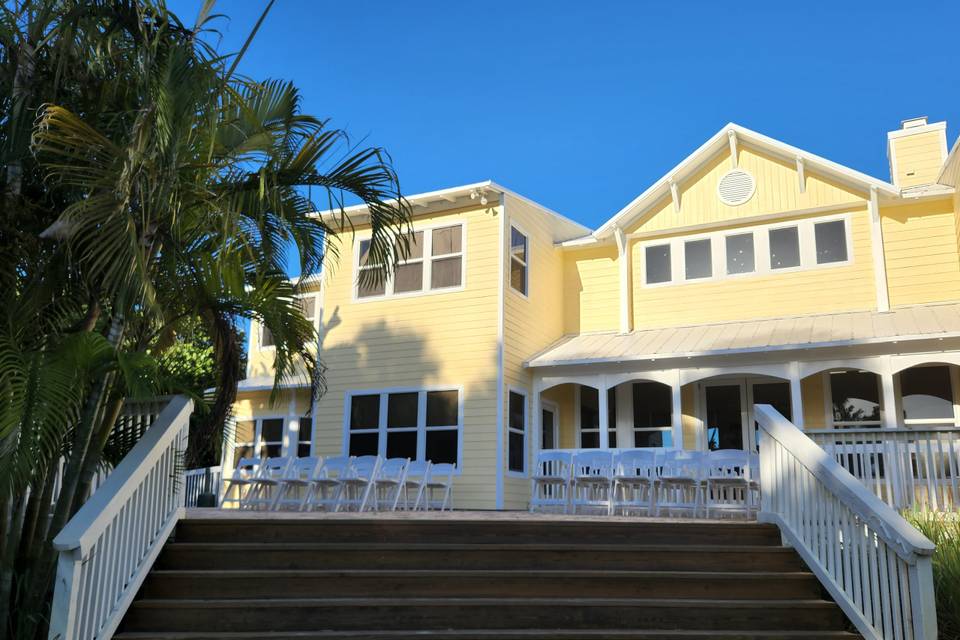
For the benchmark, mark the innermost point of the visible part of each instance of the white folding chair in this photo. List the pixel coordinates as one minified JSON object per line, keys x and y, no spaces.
{"x":418,"y":472}
{"x":388,"y":484}
{"x":264,"y":486}
{"x":440,"y":481}
{"x":326,"y":486}
{"x":246,"y":470}
{"x":295,"y":485}
{"x":357,"y":484}
{"x":728,"y":482}
{"x":550,"y":483}
{"x":679,"y":486}
{"x":635,"y":482}
{"x":591,"y":486}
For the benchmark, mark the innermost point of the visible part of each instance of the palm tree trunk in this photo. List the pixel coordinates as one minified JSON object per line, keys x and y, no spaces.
{"x":95,"y":451}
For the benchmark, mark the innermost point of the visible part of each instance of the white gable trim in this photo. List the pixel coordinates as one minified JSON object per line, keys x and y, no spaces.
{"x":720,"y":141}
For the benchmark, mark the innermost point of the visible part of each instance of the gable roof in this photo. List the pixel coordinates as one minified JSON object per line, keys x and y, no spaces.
{"x":717,"y":144}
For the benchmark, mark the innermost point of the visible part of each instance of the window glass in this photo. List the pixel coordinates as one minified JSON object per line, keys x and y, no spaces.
{"x":516,"y":431}
{"x":658,"y":264}
{"x":548,"y":435}
{"x":784,"y":248}
{"x":652,"y":414}
{"x":518,"y":260}
{"x":442,"y":407}
{"x":408,"y":277}
{"x":697,"y":259}
{"x":927,"y":394}
{"x":740,"y":257}
{"x":308,"y":306}
{"x":831,"y":238}
{"x":367,"y":284}
{"x":441,"y":446}
{"x":304,"y":436}
{"x":364,"y":412}
{"x":244,"y":433}
{"x":589,"y":418}
{"x":271,"y":437}
{"x":414,"y":247}
{"x":612,"y":417}
{"x":856,"y":397}
{"x":656,"y":438}
{"x":447,"y":272}
{"x":402,"y":410}
{"x":447,"y":240}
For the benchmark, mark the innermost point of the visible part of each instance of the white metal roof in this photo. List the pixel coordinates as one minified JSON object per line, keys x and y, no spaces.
{"x":775,"y":334}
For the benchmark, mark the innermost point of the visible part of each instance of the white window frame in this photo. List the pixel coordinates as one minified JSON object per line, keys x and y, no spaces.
{"x":525,"y":432}
{"x":258,"y":441}
{"x":427,"y":261}
{"x":554,"y":428}
{"x":526,"y":264}
{"x":315,"y":320}
{"x":422,"y":429}
{"x":761,"y":251}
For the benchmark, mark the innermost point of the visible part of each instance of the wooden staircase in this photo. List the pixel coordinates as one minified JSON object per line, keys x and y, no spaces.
{"x":489,"y":577}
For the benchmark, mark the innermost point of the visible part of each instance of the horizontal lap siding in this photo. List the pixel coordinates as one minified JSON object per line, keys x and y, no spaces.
{"x":814,"y":409}
{"x":591,"y":290}
{"x":429,"y":340}
{"x":822,"y":290}
{"x":777,"y":191}
{"x":919,"y":154}
{"x":530,"y":324}
{"x":921,"y":253}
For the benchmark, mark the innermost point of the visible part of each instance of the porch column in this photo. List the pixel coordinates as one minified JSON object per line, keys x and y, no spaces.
{"x":896,"y":468}
{"x":796,"y":396}
{"x":888,"y":417}
{"x":604,"y":419}
{"x":677,"y":413}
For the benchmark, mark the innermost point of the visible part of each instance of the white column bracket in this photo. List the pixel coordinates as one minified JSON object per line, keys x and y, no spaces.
{"x":732,"y":139}
{"x":801,"y":175}
{"x":675,"y":194}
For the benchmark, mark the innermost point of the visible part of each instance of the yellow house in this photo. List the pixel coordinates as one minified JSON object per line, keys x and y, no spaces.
{"x":752,"y":272}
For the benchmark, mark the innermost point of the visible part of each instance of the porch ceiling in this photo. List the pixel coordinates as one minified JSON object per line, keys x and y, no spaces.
{"x":920,"y":322}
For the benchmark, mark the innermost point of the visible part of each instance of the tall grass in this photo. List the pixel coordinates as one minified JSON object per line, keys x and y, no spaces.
{"x":943,"y":529}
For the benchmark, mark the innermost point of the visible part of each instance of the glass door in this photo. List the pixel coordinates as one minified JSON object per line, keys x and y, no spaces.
{"x":548,"y":425}
{"x":725,"y":418}
{"x":777,"y":395}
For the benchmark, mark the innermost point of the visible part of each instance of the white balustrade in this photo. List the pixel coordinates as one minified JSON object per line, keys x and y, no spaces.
{"x":904,"y":467}
{"x":108,"y":547}
{"x":196,"y":483}
{"x":873,"y":562}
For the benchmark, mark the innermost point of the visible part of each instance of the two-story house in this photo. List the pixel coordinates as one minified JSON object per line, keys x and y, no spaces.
{"x":752,"y":272}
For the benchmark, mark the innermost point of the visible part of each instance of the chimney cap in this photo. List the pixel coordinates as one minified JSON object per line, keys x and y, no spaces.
{"x":910,"y":123}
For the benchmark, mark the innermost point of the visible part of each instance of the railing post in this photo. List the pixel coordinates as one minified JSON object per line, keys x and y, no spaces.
{"x":923,"y":599}
{"x":66,"y":592}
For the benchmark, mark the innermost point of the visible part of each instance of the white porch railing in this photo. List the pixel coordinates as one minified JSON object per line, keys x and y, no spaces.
{"x":904,"y":467}
{"x":108,"y":547}
{"x":195,"y":483}
{"x":873,"y":562}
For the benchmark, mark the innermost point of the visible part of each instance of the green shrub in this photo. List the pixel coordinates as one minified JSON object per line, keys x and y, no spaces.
{"x":943,"y":529}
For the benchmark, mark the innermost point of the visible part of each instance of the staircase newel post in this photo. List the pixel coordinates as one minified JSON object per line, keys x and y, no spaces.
{"x":66,"y":606}
{"x":922,"y":599}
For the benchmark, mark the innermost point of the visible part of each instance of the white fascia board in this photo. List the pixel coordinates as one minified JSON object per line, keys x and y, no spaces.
{"x":952,"y":158}
{"x":902,"y":133}
{"x":747,"y":137}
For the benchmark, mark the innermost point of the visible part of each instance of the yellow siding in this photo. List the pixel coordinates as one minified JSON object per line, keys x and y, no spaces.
{"x":591,"y":290}
{"x":530,"y":323}
{"x":689,"y":420}
{"x":814,"y":413}
{"x":918,"y":158}
{"x":778,"y":191}
{"x":921,"y":252}
{"x":256,"y":404}
{"x":822,"y":290}
{"x":437,"y":339}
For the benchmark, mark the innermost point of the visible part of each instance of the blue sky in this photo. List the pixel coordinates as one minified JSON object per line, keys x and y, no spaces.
{"x":582,"y":105}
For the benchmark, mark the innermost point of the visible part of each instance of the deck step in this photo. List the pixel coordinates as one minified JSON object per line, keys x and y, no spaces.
{"x":497,"y":634}
{"x":586,"y":555}
{"x":488,"y":613}
{"x":299,"y":583}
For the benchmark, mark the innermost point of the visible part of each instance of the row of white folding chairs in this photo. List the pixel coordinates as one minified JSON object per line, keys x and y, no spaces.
{"x":339,"y":483}
{"x":647,"y":482}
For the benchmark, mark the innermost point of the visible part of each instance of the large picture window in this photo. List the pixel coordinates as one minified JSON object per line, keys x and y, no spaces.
{"x":763,"y":249}
{"x":517,"y":432}
{"x":927,"y":395}
{"x":652,"y":415}
{"x":855,"y":397}
{"x":416,"y":424}
{"x":434,"y":262}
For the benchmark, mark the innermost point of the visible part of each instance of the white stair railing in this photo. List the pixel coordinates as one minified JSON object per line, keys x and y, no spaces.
{"x":200,"y":481}
{"x":108,"y":547}
{"x":873,"y":562}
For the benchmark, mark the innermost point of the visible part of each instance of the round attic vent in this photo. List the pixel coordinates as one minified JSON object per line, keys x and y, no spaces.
{"x":736,"y":187}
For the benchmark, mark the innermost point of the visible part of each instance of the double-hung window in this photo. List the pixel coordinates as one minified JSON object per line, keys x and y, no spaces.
{"x":304,"y":436}
{"x":652,"y":415}
{"x":518,"y":260}
{"x":426,"y":260}
{"x":415,"y":424}
{"x":261,"y":438}
{"x":517,"y":432}
{"x":589,"y":415}
{"x":309,"y":307}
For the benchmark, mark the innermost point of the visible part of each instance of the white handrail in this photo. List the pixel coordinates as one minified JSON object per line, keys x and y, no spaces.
{"x":108,"y":547}
{"x":873,"y":562}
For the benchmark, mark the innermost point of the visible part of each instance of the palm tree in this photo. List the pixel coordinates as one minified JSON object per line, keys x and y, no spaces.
{"x":180,"y":203}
